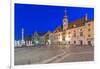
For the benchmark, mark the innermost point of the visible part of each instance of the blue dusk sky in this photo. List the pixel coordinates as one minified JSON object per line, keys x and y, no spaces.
{"x":42,"y":18}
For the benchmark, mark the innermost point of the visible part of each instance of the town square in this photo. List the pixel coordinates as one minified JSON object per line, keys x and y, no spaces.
{"x":68,"y":41}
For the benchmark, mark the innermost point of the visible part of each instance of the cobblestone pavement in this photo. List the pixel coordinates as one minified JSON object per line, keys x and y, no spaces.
{"x":31,"y":55}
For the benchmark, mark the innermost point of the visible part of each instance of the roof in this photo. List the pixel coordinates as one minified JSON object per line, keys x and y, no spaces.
{"x":41,"y":33}
{"x":47,"y":33}
{"x":77,"y":23}
{"x":90,"y":20}
{"x":74,"y":24}
{"x":59,"y":28}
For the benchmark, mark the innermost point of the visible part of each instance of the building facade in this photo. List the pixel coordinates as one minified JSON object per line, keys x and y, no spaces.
{"x":78,"y":32}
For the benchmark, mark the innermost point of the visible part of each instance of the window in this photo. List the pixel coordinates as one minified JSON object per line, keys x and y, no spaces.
{"x":74,"y":25}
{"x":69,"y":42}
{"x":81,"y":33}
{"x":74,"y":34}
{"x":89,"y":29}
{"x":64,"y":24}
{"x":68,"y":32}
{"x":89,"y":24}
{"x":80,"y":29}
{"x":74,"y":42}
{"x":63,"y":38}
{"x":89,"y":35}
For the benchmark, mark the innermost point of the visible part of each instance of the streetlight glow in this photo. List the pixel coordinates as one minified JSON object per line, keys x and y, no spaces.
{"x":67,"y":39}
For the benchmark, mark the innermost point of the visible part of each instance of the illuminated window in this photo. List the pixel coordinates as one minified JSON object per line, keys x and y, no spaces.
{"x":64,"y":30}
{"x":70,"y":25}
{"x":64,"y":33}
{"x":74,"y":25}
{"x":59,"y":34}
{"x":74,"y":31}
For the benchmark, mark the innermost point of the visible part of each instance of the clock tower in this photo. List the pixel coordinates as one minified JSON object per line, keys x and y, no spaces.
{"x":65,"y":21}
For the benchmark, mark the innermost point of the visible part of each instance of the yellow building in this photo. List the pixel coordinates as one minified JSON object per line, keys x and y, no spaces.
{"x":78,"y":32}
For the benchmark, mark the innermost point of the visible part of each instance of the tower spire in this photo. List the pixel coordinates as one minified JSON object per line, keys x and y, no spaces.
{"x":65,"y":20}
{"x":65,"y":13}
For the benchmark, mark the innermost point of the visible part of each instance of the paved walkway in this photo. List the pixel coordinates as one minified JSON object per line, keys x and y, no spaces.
{"x":31,"y":55}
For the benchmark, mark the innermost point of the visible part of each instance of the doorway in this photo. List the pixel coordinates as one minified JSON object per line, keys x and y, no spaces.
{"x":81,"y":42}
{"x":89,"y":42}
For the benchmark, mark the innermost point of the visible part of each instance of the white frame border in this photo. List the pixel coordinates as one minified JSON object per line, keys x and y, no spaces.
{"x":69,"y":3}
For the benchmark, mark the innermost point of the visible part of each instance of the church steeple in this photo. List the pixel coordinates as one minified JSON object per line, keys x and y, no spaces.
{"x":65,"y":20}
